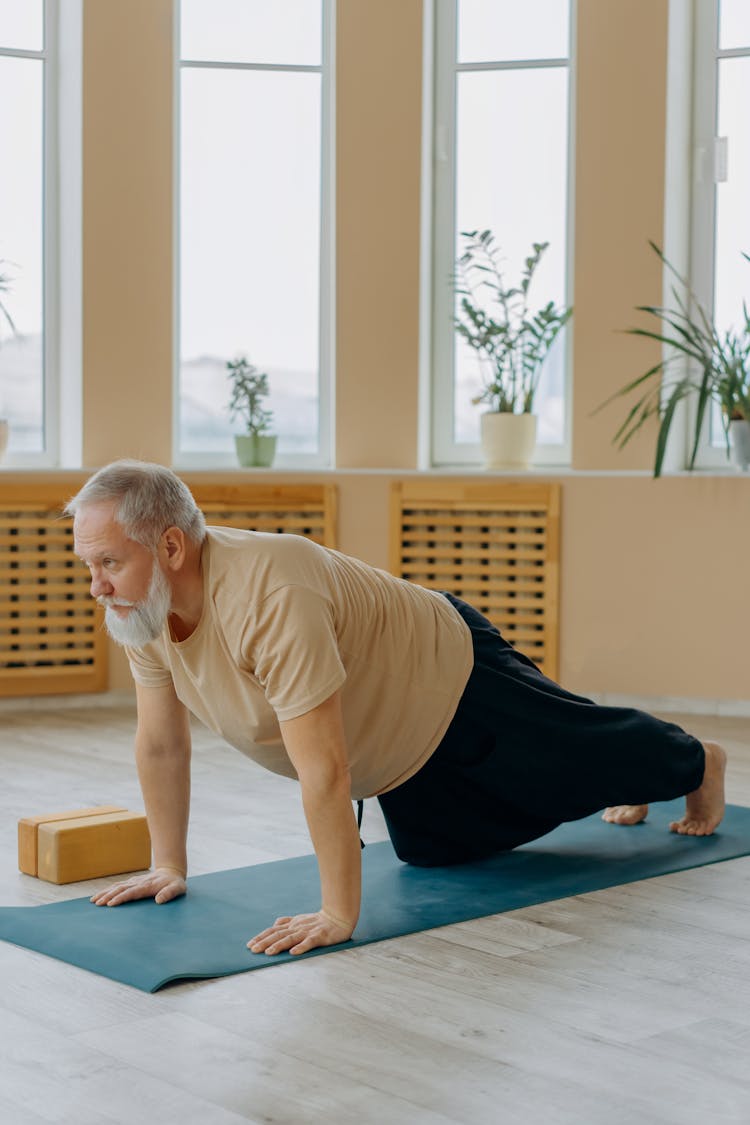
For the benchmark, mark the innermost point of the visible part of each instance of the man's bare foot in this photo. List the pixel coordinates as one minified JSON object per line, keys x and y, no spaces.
{"x":704,"y":807}
{"x":625,"y":814}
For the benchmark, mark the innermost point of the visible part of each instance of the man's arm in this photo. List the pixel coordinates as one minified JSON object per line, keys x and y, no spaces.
{"x":162,"y":754}
{"x":316,"y":746}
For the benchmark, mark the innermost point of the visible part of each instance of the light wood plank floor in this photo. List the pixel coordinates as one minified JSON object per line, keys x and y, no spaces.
{"x":630,"y":1003}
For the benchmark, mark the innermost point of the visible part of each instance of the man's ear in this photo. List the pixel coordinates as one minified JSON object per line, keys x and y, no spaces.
{"x":173,"y":542}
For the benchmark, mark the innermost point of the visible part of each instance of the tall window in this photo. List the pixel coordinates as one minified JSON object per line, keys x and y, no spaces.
{"x":502,"y":114}
{"x":255,"y":185}
{"x":721,"y":203}
{"x":26,"y":140}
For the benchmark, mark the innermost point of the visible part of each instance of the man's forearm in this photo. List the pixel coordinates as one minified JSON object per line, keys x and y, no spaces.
{"x":333,"y":830}
{"x":164,"y":775}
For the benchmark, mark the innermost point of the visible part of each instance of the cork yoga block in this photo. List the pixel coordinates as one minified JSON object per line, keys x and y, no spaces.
{"x":83,"y":844}
{"x":29,"y":826}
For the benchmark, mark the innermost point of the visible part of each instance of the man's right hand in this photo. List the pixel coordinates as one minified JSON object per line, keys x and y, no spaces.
{"x":162,"y":884}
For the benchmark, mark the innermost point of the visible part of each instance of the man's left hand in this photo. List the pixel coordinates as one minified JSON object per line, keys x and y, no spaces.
{"x":300,"y":933}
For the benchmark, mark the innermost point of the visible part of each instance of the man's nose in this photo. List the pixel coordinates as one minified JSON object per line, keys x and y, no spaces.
{"x":100,"y":585}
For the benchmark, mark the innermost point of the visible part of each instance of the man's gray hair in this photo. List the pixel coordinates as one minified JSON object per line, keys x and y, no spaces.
{"x":148,"y":499}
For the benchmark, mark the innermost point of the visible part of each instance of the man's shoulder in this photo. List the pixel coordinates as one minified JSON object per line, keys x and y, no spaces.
{"x":230,"y":542}
{"x":220,"y":537}
{"x":245,"y":537}
{"x":260,"y":560}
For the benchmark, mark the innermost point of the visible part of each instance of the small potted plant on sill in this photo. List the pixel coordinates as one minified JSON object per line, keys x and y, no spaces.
{"x":511,"y":345}
{"x":713,"y":366}
{"x":256,"y":446}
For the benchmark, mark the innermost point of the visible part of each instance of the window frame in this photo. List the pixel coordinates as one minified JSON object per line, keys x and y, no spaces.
{"x":441,"y":20}
{"x":703,"y":205}
{"x":186,"y":459}
{"x":705,"y":56}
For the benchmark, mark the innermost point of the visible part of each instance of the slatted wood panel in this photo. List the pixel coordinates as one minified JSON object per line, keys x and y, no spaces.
{"x":495,"y":546}
{"x":51,"y":631}
{"x":308,"y":510}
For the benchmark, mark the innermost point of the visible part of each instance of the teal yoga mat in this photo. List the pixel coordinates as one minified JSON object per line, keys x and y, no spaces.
{"x":204,"y":934}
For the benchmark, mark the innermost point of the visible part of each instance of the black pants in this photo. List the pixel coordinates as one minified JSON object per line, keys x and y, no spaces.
{"x":522,"y":755}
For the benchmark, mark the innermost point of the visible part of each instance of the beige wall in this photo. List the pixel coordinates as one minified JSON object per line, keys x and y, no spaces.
{"x":378,"y":137}
{"x":619,"y":203}
{"x":127,"y":230}
{"x":652,"y":580}
{"x":652,"y":570}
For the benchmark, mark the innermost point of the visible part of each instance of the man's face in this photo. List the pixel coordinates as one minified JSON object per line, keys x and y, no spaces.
{"x":125,"y":577}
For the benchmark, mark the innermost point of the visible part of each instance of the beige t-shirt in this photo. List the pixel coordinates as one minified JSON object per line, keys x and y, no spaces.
{"x":285,"y":624}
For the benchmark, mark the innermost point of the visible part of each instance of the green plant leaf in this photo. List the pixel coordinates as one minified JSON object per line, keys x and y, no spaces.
{"x":493,"y":319}
{"x":722,"y":357}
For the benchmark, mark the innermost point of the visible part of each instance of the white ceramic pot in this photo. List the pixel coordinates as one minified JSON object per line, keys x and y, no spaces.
{"x":739,"y":444}
{"x":4,"y":435}
{"x":255,"y":449}
{"x":508,"y":440}
{"x":265,"y":449}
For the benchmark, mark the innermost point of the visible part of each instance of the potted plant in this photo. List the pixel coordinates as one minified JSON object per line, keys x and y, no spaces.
{"x":700,"y":360}
{"x":511,"y":345}
{"x":5,"y":281}
{"x":256,"y":446}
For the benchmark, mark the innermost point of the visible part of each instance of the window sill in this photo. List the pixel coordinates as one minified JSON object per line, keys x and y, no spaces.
{"x":476,"y":471}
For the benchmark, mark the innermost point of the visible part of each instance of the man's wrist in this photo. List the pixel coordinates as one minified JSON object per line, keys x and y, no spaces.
{"x":345,"y":925}
{"x":181,"y":871}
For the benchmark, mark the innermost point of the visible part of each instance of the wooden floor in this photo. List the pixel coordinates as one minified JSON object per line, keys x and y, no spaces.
{"x":627,"y":1004}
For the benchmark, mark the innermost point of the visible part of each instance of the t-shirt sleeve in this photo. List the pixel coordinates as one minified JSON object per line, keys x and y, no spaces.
{"x":146,"y":669}
{"x":292,"y":650}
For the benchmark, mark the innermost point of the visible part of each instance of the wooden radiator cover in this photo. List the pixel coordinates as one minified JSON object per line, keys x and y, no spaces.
{"x":52,"y":636}
{"x":495,"y":546}
{"x":308,"y":510}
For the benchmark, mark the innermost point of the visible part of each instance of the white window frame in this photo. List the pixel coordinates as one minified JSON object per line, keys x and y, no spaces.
{"x":440,"y":128}
{"x":185,"y":459}
{"x":61,"y":237}
{"x":690,"y":183}
{"x":703,"y":216}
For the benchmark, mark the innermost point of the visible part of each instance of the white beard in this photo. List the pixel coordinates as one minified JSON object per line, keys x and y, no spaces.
{"x":146,"y":619}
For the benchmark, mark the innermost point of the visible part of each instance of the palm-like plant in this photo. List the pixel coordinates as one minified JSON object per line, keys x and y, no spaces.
{"x":712,"y":365}
{"x":494,"y":320}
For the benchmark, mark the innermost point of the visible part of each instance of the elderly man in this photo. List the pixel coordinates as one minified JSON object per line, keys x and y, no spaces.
{"x":357,"y":684}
